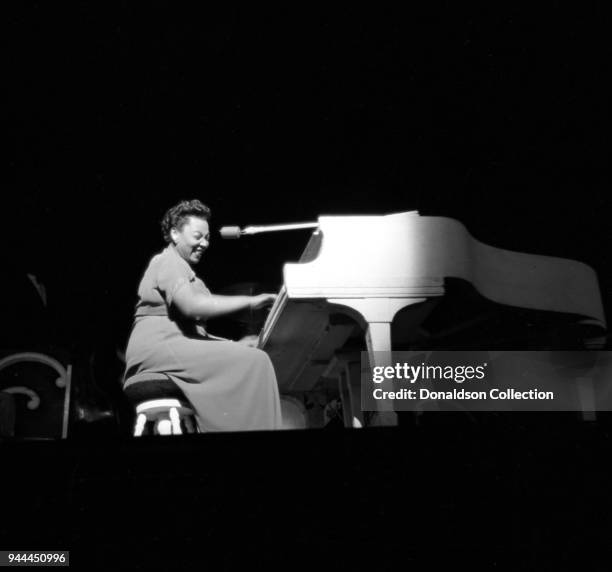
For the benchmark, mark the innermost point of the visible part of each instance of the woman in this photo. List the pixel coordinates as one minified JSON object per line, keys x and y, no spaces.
{"x":231,"y":386}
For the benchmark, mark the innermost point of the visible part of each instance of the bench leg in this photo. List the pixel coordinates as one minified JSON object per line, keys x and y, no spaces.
{"x":140,"y":424}
{"x":175,"y":421}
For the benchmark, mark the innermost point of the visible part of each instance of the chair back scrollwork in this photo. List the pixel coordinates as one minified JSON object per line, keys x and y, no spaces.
{"x":50,"y":408}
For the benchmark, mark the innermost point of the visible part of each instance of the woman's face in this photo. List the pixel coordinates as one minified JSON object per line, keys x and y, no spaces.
{"x":192,"y":239}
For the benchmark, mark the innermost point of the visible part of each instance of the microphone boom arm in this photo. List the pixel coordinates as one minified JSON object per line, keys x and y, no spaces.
{"x":236,"y":232}
{"x":277,"y":227}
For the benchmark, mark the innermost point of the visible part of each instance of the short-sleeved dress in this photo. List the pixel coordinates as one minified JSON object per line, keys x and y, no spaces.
{"x":231,"y":386}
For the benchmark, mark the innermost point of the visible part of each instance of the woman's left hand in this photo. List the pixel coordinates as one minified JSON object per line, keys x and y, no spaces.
{"x":250,"y":341}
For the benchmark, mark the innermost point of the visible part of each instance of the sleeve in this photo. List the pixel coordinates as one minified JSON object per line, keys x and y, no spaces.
{"x":172,"y":274}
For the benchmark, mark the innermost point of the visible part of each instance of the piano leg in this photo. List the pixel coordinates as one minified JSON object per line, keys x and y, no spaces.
{"x":378,"y":340}
{"x":378,"y":314}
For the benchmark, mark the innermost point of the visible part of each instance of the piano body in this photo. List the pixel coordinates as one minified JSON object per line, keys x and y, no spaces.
{"x":358,"y":272}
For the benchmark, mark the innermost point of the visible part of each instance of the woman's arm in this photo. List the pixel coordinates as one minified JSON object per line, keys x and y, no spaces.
{"x":197,"y":306}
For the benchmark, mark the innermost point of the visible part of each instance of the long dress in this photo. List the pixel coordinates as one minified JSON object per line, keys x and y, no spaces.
{"x":232,"y":387}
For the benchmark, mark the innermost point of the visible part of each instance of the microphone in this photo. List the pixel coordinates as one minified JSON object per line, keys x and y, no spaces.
{"x":237,"y":232}
{"x":230,"y":232}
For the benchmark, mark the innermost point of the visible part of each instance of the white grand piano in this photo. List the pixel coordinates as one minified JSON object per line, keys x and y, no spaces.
{"x":358,"y":272}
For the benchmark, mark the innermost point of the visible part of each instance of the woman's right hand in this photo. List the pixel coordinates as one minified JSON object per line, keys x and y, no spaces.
{"x":261,"y":301}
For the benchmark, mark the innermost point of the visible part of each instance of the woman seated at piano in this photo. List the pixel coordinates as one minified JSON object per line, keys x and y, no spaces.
{"x":231,"y":385}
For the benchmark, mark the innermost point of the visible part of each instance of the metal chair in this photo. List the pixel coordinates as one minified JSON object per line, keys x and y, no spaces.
{"x":51,"y":420}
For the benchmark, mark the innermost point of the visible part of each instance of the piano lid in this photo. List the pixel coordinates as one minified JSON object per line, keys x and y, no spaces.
{"x":406,"y":255}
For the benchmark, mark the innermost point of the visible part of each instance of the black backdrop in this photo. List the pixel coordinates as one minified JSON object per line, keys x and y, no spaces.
{"x":116,"y":111}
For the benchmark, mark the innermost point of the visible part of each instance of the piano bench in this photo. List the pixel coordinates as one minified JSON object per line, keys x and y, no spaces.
{"x":160,"y":402}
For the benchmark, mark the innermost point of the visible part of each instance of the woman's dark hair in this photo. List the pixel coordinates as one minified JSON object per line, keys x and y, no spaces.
{"x":177,"y":216}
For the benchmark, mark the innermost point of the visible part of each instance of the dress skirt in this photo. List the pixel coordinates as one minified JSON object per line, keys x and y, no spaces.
{"x":232,"y":387}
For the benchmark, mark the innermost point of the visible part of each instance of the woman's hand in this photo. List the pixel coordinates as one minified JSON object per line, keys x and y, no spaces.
{"x":249,"y":341}
{"x":261,"y":301}
{"x":218,"y":338}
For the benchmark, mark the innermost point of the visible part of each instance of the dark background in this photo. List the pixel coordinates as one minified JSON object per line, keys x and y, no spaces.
{"x":115,"y":112}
